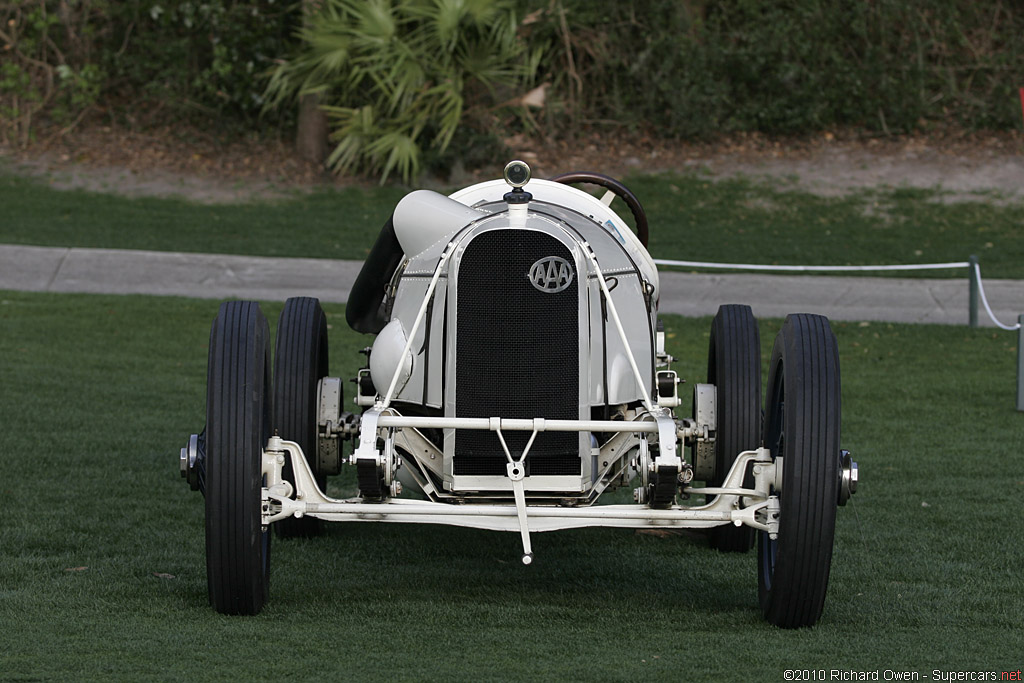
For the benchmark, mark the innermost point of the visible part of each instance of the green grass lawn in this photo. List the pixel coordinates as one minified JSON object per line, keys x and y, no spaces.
{"x":103,"y":573}
{"x":691,"y":218}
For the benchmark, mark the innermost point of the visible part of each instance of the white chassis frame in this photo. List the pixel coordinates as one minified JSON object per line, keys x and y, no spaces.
{"x":759,"y":509}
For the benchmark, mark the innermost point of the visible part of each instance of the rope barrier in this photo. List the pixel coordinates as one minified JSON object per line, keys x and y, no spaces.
{"x":800,"y":269}
{"x":988,"y":309}
{"x":839,"y":269}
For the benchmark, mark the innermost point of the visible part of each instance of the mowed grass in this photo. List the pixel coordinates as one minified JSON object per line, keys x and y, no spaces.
{"x":103,"y":571}
{"x":327,"y":224}
{"x":691,"y":218}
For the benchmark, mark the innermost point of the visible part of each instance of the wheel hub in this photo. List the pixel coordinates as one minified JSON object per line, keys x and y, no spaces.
{"x":192,"y":462}
{"x":847,"y":477}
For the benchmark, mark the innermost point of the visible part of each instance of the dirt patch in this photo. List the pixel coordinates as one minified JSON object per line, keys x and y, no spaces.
{"x":200,"y":167}
{"x":168,"y":162}
{"x":964,"y":167}
{"x":992,"y":170}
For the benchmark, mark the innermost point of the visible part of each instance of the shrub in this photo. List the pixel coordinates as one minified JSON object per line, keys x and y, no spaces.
{"x":421,"y":83}
{"x":141,"y":60}
{"x":48,"y":66}
{"x":399,"y":78}
{"x":202,"y":60}
{"x":696,"y":68}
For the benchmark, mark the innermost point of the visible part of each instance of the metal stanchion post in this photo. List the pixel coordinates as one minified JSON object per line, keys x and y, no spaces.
{"x":972,"y":304}
{"x":1020,"y":363}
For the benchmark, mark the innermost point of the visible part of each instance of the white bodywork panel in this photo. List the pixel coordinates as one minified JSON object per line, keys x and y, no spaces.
{"x":559,"y":194}
{"x":424,"y":217}
{"x":426,"y":366}
{"x":627,"y":290}
{"x":386,"y":356}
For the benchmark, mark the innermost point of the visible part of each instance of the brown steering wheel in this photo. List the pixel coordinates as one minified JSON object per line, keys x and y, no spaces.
{"x":617,"y":188}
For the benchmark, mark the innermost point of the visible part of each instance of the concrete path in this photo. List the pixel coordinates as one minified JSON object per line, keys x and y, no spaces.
{"x":202,"y":276}
{"x":112,"y":271}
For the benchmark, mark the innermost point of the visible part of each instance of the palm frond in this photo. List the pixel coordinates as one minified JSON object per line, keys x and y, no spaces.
{"x":395,"y":150}
{"x":390,"y":69}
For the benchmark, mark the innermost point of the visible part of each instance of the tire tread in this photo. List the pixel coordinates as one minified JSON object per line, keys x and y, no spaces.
{"x":734,"y":367}
{"x":300,"y":360}
{"x":806,"y":352}
{"x":236,"y":424}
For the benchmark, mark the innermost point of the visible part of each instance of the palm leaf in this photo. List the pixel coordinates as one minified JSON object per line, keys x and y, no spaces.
{"x":390,"y":69}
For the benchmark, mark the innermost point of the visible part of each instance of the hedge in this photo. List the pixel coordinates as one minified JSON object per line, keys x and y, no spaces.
{"x":681,"y":68}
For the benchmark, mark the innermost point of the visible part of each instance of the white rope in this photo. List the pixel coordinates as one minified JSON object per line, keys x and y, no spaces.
{"x":988,"y":309}
{"x":750,"y":266}
{"x":797,"y":269}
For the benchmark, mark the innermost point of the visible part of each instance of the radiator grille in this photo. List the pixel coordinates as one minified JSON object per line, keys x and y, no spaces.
{"x":516,"y":353}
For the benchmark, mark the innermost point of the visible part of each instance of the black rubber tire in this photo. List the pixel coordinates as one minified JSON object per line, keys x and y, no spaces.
{"x":300,"y":360}
{"x":802,"y":424}
{"x":238,"y":410}
{"x":734,"y":367}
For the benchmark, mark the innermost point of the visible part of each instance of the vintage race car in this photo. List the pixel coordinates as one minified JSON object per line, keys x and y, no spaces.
{"x":518,"y":373}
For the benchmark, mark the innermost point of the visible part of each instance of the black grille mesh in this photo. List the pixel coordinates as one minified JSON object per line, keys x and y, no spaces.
{"x":517,"y":353}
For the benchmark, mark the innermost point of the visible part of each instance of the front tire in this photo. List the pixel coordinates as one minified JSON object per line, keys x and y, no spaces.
{"x":734,"y":367}
{"x":300,"y":361}
{"x":238,"y":410}
{"x":802,"y":425}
